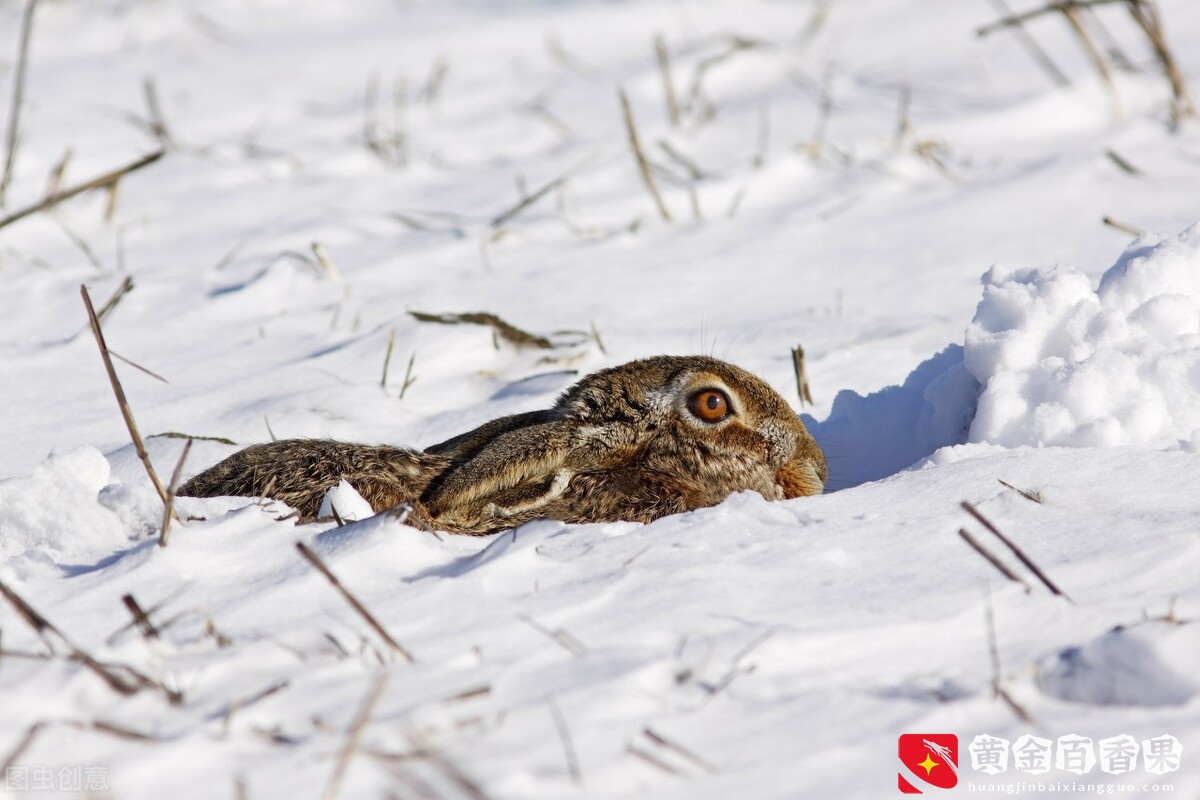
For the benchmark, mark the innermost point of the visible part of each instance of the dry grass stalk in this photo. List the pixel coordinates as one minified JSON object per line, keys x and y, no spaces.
{"x":559,"y":636}
{"x":596,"y":338}
{"x":437,"y":79}
{"x":169,"y":508}
{"x":111,"y":194}
{"x":1032,"y":47}
{"x":469,"y":694}
{"x":102,"y":181}
{"x":448,"y":769}
{"x":14,"y":115}
{"x":326,"y":262}
{"x":679,"y":749}
{"x":1112,"y":47}
{"x":691,"y":167}
{"x":178,"y":435}
{"x":509,"y":333}
{"x":652,"y":760}
{"x":993,"y":649}
{"x":904,"y":127}
{"x":1145,"y":13}
{"x":316,"y":561}
{"x":125,"y":288}
{"x":737,"y":44}
{"x":1016,"y":551}
{"x":409,"y":378}
{"x":387,"y":358}
{"x":764,"y":135}
{"x":1122,"y":163}
{"x":119,"y":731}
{"x":1013,"y":20}
{"x":1035,"y":497}
{"x":640,"y":156}
{"x":802,"y":387}
{"x":140,"y":619}
{"x":15,"y":754}
{"x":137,"y":366}
{"x":153,"y":609}
{"x":998,"y":689}
{"x":1074,"y":17}
{"x":1121,"y":226}
{"x":991,"y":559}
{"x":108,"y":674}
{"x":80,"y":243}
{"x":735,"y":203}
{"x":158,"y":124}
{"x":122,"y":403}
{"x":54,"y":183}
{"x":354,"y":736}
{"x":664,"y":69}
{"x":526,"y":201}
{"x":564,"y":735}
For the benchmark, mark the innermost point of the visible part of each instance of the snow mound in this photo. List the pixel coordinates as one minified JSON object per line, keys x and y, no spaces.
{"x":1047,"y":361}
{"x":1126,"y":666}
{"x":54,"y":517}
{"x":1063,"y":364}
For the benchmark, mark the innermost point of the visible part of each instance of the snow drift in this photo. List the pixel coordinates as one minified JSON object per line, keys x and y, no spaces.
{"x":1046,"y":361}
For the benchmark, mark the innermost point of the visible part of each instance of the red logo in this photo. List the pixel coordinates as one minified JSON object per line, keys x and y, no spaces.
{"x":928,"y":759}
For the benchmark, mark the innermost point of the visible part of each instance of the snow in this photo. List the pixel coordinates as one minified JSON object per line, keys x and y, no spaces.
{"x":757,"y":649}
{"x":1063,"y":364}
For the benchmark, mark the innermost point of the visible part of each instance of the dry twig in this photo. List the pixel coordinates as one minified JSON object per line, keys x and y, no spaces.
{"x":122,"y":403}
{"x":1145,"y":13}
{"x":802,"y":388}
{"x":169,"y":509}
{"x":1016,"y":551}
{"x":991,"y":559}
{"x":106,"y":180}
{"x":664,"y":69}
{"x":505,"y":331}
{"x":1035,"y":497}
{"x":1121,"y":226}
{"x":139,"y":617}
{"x":14,"y":114}
{"x":1033,"y":48}
{"x":106,"y":673}
{"x":564,"y":736}
{"x":640,"y":156}
{"x":354,"y":736}
{"x":316,"y":561}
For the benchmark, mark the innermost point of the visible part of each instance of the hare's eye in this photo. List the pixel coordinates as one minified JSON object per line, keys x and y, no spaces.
{"x":710,"y":405}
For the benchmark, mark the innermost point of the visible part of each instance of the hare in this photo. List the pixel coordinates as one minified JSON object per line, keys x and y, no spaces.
{"x":635,"y":442}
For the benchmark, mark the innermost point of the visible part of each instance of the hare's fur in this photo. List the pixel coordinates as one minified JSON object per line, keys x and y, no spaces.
{"x":621,"y":444}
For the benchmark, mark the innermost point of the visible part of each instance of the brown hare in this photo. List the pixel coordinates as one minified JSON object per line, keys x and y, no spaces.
{"x":634,"y":442}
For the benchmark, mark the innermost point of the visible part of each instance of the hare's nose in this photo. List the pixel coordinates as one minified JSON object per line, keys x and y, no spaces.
{"x":798,"y":478}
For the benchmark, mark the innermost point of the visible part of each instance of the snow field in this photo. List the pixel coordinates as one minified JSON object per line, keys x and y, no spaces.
{"x":755,"y":649}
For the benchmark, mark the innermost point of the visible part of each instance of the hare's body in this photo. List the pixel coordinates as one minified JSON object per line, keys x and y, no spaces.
{"x":635,"y":442}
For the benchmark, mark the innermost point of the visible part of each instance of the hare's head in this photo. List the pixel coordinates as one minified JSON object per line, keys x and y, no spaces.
{"x":699,"y":419}
{"x":638,"y":441}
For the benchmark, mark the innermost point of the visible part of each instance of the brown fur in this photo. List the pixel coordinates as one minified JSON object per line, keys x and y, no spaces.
{"x":619,"y":445}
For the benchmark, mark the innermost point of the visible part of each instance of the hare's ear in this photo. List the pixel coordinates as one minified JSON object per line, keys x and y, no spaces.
{"x":466,"y":445}
{"x":509,"y":478}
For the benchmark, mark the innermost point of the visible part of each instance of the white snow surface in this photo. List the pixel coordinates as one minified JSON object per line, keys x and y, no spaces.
{"x":755,"y":649}
{"x":1063,"y":364}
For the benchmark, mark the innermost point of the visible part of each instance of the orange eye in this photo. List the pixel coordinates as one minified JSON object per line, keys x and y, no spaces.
{"x":710,"y":405}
